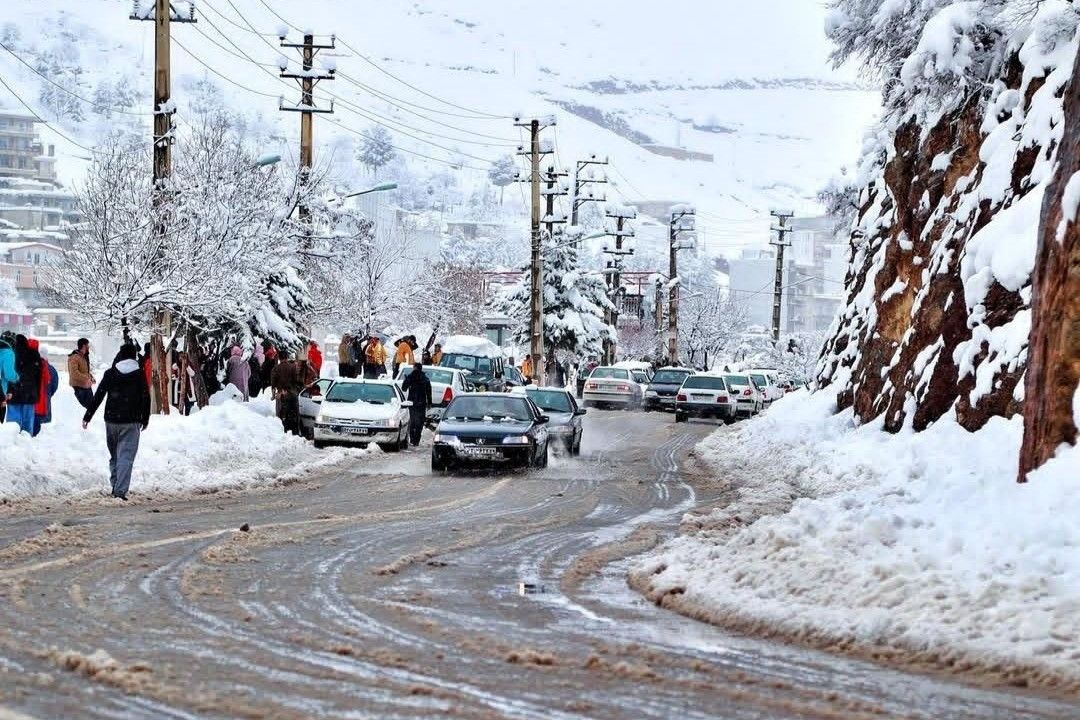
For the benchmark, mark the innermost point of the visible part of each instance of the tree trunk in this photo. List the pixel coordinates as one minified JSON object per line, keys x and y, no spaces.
{"x":1053,"y":370}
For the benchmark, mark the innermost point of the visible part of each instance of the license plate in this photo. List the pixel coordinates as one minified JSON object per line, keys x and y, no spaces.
{"x":480,"y":451}
{"x":350,"y":430}
{"x":702,"y":397}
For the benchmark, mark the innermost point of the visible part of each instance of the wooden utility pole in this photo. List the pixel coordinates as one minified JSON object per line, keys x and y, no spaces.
{"x":307,"y":78}
{"x":778,"y":284}
{"x":579,"y":197}
{"x":536,"y":296}
{"x":676,"y":226}
{"x":613,"y":271}
{"x":162,"y":15}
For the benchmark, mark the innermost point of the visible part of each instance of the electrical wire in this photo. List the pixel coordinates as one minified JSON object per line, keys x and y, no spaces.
{"x":375,"y":65}
{"x":69,"y":92}
{"x":42,"y":120}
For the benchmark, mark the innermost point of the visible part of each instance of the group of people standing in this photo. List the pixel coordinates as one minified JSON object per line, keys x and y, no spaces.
{"x":28,"y":382}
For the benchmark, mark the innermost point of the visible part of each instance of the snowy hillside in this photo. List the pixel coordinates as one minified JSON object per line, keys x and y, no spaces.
{"x":748,"y":85}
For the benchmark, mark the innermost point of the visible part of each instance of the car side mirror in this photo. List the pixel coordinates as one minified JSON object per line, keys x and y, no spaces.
{"x":581,"y":411}
{"x":545,"y":418}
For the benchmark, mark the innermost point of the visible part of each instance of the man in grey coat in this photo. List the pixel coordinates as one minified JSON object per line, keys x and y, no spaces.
{"x":127,"y":413}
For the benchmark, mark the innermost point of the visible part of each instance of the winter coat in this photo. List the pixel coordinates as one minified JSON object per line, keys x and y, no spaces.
{"x":28,"y":366}
{"x":375,"y":354}
{"x":526,"y":366}
{"x":50,"y":382}
{"x":287,"y":378}
{"x":315,"y":358}
{"x":8,"y":376}
{"x":436,"y":357}
{"x":78,"y":366}
{"x":127,"y":392}
{"x":417,"y":388}
{"x":404,"y":354}
{"x":344,"y":351}
{"x":268,"y":366}
{"x":259,"y":355}
{"x":255,"y":385}
{"x":238,"y":372}
{"x":356,"y":351}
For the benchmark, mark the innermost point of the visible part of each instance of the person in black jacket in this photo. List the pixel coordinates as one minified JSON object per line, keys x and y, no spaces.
{"x":127,"y":413}
{"x":24,"y":394}
{"x":417,"y":390}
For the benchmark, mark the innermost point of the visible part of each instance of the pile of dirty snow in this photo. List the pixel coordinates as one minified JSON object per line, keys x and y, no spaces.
{"x":917,"y":545}
{"x":230,"y":444}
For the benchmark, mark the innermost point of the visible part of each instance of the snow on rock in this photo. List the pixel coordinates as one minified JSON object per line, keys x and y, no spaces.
{"x":920,"y":543}
{"x":227,"y":445}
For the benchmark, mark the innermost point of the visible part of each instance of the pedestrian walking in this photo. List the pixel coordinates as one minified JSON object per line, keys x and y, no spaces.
{"x":50,"y":383}
{"x":286,"y":383}
{"x":80,"y":378}
{"x":126,"y":395}
{"x":417,"y":389}
{"x":8,"y":376}
{"x":24,"y":394}
{"x":344,"y":357}
{"x":238,"y":372}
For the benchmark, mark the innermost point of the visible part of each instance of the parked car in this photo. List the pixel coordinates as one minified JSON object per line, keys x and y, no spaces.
{"x":638,"y":367}
{"x":310,"y":401}
{"x":481,"y":360}
{"x":665,"y":384}
{"x":705,"y":396}
{"x":612,"y":386}
{"x":748,"y":398}
{"x":361,"y":412}
{"x":514,"y":378}
{"x":492,"y":428}
{"x":564,"y":415}
{"x":446,"y":384}
{"x":768,"y":383}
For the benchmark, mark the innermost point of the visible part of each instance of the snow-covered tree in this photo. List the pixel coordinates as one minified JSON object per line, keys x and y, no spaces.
{"x":503,"y":172}
{"x":711,"y":326}
{"x":574,"y":305}
{"x":376,"y":148}
{"x":9,"y":297}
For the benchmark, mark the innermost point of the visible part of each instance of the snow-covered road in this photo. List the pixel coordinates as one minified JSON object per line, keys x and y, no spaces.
{"x":377,"y":590}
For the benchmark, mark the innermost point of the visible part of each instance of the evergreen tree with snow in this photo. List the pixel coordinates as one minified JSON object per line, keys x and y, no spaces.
{"x":502,"y":172}
{"x":574,"y":305}
{"x":376,"y":148}
{"x":104,"y":100}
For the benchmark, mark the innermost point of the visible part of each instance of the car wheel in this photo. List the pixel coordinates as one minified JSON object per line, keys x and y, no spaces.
{"x":680,"y":417}
{"x":729,"y":419}
{"x":576,"y":449}
{"x":403,"y":442}
{"x":319,"y":444}
{"x":542,"y":461}
{"x":438,"y":465}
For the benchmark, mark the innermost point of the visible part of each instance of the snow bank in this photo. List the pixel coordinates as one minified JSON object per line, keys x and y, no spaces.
{"x":921,"y":544}
{"x":228,"y":445}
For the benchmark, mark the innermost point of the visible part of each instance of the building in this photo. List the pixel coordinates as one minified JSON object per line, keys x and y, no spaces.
{"x":21,"y":151}
{"x":812,"y":281}
{"x":22,"y":263}
{"x":32,"y":204}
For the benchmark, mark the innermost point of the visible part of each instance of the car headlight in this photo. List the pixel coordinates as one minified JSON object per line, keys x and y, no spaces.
{"x":391,"y":424}
{"x":447,"y":439}
{"x":650,"y":393}
{"x":516,"y":440}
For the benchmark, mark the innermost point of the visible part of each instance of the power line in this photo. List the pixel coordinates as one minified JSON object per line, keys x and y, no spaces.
{"x":42,"y":120}
{"x":387,"y":72}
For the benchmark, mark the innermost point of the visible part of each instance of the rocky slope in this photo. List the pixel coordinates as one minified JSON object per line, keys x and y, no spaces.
{"x":938,"y":307}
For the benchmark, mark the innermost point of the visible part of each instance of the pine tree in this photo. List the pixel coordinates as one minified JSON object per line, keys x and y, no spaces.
{"x":502,"y":172}
{"x":104,"y":100}
{"x":574,"y":304}
{"x":376,"y":148}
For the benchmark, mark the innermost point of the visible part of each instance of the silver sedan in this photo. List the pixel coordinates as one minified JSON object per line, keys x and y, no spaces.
{"x":612,"y":386}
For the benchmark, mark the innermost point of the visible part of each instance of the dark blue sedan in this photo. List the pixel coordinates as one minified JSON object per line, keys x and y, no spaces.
{"x":490,"y":428}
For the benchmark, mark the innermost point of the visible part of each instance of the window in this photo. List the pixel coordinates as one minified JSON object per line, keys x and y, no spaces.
{"x":603,"y":373}
{"x":704,"y":382}
{"x":552,"y":400}
{"x":671,"y":377}
{"x":376,"y":394}
{"x":469,"y":407}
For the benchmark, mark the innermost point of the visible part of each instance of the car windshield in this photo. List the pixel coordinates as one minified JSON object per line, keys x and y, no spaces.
{"x":670,"y":377}
{"x":704,"y":382}
{"x":435,"y":375}
{"x":468,"y":363}
{"x":739,"y":380}
{"x":553,"y":400}
{"x":760,"y":380}
{"x":609,"y":374}
{"x":496,"y":407}
{"x":376,"y":394}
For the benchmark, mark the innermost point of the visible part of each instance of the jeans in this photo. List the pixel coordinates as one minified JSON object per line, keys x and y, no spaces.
{"x":416,"y":423}
{"x":85,"y":396}
{"x":23,"y":416}
{"x":123,"y":442}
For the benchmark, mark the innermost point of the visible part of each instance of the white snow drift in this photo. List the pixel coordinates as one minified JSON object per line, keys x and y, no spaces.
{"x":915,"y":542}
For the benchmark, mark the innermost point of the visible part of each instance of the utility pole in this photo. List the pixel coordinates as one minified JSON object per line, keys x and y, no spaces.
{"x":613,"y":271}
{"x":580,"y":198}
{"x":162,"y":15}
{"x":551,"y":190}
{"x":536,"y":296}
{"x":782,"y":230}
{"x":307,"y":78}
{"x":676,"y":226}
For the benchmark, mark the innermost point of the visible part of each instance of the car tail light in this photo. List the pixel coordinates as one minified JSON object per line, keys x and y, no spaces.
{"x":747,"y":392}
{"x":680,"y":397}
{"x":721,"y":398}
{"x":448,"y":395}
{"x":593,"y":386}
{"x":623,"y":388}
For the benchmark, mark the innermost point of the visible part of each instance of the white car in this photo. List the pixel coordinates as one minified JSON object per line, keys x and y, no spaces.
{"x":612,"y":386}
{"x":768,"y":383}
{"x":361,"y":412}
{"x":749,"y":400}
{"x":707,"y":396}
{"x":446,"y":383}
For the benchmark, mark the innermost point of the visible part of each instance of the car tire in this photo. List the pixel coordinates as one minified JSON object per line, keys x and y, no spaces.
{"x":729,"y":419}
{"x":403,"y":442}
{"x":680,"y":417}
{"x":319,"y":444}
{"x":437,"y":465}
{"x":575,"y":449}
{"x":543,"y":460}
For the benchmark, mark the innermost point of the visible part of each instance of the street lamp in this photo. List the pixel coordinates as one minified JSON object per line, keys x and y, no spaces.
{"x":381,"y":187}
{"x":265,"y":160}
